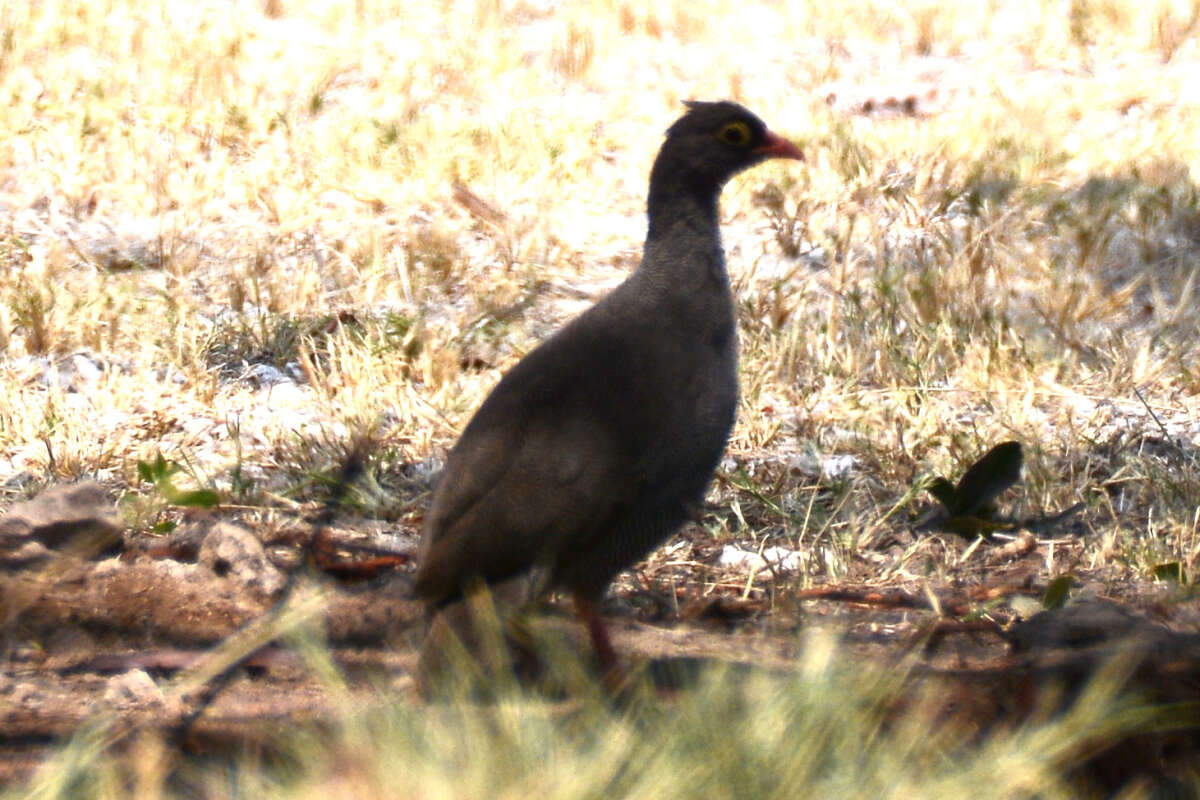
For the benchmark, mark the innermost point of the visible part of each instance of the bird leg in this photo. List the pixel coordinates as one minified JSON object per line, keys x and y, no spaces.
{"x":614,"y":675}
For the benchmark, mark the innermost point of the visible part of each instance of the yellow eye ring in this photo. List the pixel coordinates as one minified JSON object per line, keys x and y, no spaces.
{"x":735,"y":133}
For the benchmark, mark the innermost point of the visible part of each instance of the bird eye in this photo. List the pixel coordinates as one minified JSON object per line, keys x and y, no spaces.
{"x":735,"y":133}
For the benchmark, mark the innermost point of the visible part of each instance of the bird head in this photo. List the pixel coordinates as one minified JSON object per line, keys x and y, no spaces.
{"x":712,"y":142}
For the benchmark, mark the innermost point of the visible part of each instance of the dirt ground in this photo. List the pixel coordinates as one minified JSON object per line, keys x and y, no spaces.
{"x":127,"y":629}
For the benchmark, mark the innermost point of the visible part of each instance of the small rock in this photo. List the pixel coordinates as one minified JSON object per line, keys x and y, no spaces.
{"x":827,"y":467}
{"x":61,"y":514}
{"x":74,"y":373}
{"x":235,"y":553}
{"x":133,"y":690}
{"x":23,"y":555}
{"x":838,"y":466}
{"x":779,"y":559}
{"x":131,"y":245}
{"x":265,"y":375}
{"x":19,"y":480}
{"x":85,"y":369}
{"x":107,"y":567}
{"x":26,"y":694}
{"x":184,"y":542}
{"x":426,"y":472}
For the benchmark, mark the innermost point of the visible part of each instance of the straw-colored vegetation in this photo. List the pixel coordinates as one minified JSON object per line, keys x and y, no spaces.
{"x":390,"y":202}
{"x":829,"y":730}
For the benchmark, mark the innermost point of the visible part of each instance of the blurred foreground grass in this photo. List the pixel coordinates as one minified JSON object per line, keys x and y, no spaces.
{"x":834,"y":728}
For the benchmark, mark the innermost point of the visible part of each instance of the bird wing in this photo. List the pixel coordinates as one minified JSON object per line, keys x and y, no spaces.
{"x":543,"y":463}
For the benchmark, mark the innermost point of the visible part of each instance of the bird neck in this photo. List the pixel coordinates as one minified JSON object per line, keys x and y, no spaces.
{"x":683,"y":253}
{"x":679,"y":195}
{"x":683,"y":265}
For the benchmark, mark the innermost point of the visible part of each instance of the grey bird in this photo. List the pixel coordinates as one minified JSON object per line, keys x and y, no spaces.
{"x":601,"y":442}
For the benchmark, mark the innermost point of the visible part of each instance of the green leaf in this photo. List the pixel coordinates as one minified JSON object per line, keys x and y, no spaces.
{"x":161,"y":468}
{"x":1056,"y":592}
{"x":157,"y":470}
{"x":983,"y":482}
{"x":195,"y":498}
{"x":1169,"y":571}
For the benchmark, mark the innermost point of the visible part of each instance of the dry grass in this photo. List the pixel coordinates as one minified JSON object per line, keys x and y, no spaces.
{"x":395,"y":203}
{"x":391,"y":202}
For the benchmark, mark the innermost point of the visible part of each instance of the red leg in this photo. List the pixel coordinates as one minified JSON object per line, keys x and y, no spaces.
{"x":613,"y":674}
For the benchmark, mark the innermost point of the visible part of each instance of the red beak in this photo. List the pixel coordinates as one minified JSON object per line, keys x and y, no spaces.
{"x":778,"y":147}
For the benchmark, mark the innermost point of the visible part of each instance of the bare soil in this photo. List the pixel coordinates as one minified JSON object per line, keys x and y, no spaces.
{"x":112,"y":633}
